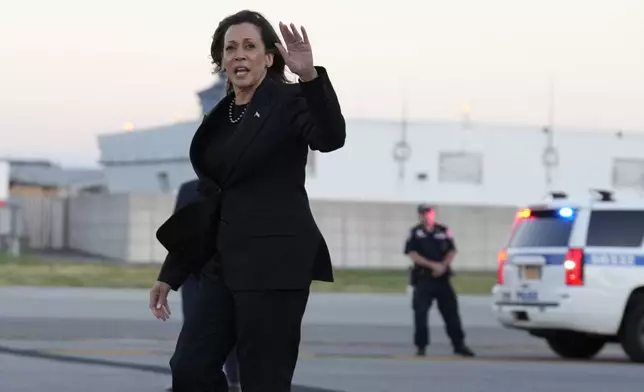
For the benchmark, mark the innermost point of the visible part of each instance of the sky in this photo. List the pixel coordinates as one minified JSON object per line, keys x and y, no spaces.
{"x":74,"y":69}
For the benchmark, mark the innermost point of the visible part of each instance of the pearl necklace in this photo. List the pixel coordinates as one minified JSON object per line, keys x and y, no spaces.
{"x":230,"y":112}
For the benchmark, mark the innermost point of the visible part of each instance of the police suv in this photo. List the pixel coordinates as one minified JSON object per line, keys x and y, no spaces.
{"x":573,"y":274}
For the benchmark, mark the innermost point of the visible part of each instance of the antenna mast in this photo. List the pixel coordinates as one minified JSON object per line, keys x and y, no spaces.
{"x":550,"y":156}
{"x":402,"y":149}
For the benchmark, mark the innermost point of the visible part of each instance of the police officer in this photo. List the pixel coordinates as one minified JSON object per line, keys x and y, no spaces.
{"x":432,"y":249}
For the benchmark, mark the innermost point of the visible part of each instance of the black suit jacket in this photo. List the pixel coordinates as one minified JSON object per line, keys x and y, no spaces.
{"x":188,"y":193}
{"x":257,"y":221}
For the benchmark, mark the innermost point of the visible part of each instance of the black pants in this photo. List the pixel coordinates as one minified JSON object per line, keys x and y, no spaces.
{"x":425,"y":292}
{"x":189,"y":295}
{"x":265,"y":325}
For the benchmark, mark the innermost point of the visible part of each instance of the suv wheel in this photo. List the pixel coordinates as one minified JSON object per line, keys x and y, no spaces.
{"x":575,"y":345}
{"x":632,"y":336}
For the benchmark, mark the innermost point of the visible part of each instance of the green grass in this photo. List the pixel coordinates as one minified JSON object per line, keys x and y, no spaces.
{"x":395,"y":281}
{"x":32,"y":271}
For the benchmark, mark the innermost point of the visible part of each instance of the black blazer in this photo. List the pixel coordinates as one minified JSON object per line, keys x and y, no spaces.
{"x":257,"y":222}
{"x":188,"y":193}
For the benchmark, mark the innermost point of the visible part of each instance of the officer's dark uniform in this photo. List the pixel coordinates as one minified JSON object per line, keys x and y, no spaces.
{"x":434,"y":245}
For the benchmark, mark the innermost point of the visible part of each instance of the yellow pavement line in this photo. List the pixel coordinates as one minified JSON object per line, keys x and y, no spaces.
{"x":431,"y":358}
{"x":406,"y":358}
{"x":73,"y":351}
{"x":142,"y":352}
{"x":124,"y":352}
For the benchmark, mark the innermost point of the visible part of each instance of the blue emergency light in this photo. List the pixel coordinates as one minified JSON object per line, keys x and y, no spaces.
{"x":566,"y":212}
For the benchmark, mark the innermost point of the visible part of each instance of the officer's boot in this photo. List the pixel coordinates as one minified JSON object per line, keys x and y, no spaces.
{"x":463,"y":350}
{"x":421,"y":351}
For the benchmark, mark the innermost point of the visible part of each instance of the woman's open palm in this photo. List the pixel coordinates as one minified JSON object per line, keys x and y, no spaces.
{"x":297,"y":54}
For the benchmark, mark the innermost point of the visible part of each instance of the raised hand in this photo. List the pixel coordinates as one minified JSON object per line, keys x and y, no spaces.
{"x":297,"y":54}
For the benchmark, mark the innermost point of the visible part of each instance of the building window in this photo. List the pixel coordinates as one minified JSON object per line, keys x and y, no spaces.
{"x":628,"y":173}
{"x":460,"y":167}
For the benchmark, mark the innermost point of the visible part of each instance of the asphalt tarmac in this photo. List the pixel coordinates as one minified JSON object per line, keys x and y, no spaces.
{"x":102,"y":340}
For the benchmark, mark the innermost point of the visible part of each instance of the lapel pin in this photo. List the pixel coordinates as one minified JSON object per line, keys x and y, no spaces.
{"x":257,"y":114}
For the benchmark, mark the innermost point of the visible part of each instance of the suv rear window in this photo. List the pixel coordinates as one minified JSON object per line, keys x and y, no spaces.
{"x":544,"y":228}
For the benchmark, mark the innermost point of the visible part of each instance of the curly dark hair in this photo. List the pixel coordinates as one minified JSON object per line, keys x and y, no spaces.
{"x":269,"y":37}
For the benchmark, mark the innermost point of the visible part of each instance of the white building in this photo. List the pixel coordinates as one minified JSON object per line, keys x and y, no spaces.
{"x":363,"y":198}
{"x":481,"y":164}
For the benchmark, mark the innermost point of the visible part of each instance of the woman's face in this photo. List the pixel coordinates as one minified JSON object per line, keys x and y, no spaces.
{"x":245,"y":59}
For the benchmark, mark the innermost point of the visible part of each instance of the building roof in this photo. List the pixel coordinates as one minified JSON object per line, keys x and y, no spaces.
{"x":170,"y":143}
{"x":45,"y":173}
{"x":151,"y":145}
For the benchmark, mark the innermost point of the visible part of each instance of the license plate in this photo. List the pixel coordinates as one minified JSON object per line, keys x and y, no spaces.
{"x":531,"y":272}
{"x":528,"y":295}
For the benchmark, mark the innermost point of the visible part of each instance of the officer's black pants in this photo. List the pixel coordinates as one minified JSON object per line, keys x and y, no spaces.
{"x":425,"y":292}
